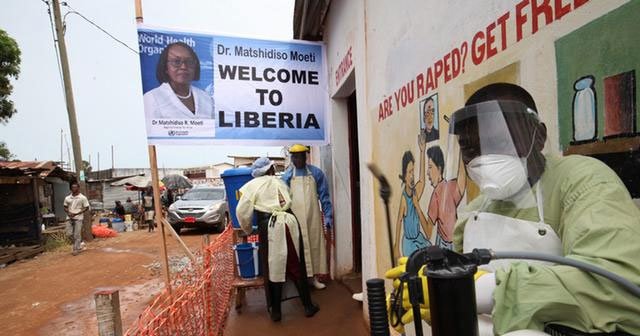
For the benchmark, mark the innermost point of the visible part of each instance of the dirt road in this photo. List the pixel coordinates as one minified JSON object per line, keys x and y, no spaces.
{"x":53,"y":293}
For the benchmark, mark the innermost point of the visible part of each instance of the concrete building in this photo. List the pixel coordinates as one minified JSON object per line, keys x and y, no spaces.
{"x":247,"y":161}
{"x":207,"y":174}
{"x":385,"y":59}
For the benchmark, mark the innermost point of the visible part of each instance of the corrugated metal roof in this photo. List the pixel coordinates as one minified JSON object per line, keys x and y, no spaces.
{"x":35,"y":168}
{"x":28,"y":164}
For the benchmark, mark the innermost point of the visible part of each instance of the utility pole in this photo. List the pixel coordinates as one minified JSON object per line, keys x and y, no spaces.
{"x":71,"y":109}
{"x":61,"y":140}
{"x":112,"y":162}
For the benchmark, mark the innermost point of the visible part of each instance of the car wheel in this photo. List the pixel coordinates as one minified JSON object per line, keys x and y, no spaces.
{"x":223,"y":224}
{"x":176,"y":228}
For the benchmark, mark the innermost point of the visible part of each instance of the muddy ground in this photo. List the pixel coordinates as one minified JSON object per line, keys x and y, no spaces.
{"x":52,"y":294}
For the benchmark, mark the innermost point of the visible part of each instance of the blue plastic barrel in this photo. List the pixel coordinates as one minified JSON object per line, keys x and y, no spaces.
{"x":233,"y":180}
{"x":118,"y":224}
{"x":247,"y":260}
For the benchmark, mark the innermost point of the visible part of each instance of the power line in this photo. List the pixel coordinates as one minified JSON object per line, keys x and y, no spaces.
{"x":73,"y":11}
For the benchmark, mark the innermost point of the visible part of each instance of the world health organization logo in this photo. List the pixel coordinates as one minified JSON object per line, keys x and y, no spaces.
{"x":177,"y":133}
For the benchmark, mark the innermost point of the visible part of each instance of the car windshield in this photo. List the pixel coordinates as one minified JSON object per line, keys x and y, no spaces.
{"x":204,"y":195}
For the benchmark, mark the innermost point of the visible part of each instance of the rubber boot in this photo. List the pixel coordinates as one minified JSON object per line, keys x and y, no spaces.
{"x":276,"y":300}
{"x":310,"y":308}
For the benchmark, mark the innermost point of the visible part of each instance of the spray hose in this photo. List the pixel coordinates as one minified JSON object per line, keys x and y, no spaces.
{"x":622,"y":282}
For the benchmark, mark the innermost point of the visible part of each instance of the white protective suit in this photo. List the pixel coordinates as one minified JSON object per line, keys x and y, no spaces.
{"x":270,"y":194}
{"x":162,"y":103}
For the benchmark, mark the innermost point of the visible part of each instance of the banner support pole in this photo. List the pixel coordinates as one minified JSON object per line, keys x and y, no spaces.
{"x":155,"y":181}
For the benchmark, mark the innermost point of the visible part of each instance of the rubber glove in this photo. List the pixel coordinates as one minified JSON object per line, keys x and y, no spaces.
{"x":485,"y":283}
{"x":484,"y":298}
{"x":404,"y":310}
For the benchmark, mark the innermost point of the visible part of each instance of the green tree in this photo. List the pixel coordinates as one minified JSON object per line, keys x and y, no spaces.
{"x":86,"y":166}
{"x":9,"y":68}
{"x":5,"y":154}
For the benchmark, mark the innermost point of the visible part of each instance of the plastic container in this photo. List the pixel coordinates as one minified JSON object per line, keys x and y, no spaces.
{"x":233,"y":180}
{"x":118,"y":225}
{"x":247,"y":260}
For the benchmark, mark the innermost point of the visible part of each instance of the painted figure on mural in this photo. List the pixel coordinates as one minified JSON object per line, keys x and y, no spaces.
{"x":429,"y":117}
{"x":445,"y":198}
{"x":410,"y":216}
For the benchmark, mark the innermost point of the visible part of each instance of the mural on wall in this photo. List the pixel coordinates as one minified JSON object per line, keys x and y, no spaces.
{"x":620,"y":105}
{"x":429,"y":118}
{"x":597,"y":105}
{"x":411,"y":223}
{"x":584,"y":110}
{"x":426,"y":214}
{"x":609,"y":61}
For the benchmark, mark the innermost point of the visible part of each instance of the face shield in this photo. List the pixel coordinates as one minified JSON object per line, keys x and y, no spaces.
{"x":495,"y":141}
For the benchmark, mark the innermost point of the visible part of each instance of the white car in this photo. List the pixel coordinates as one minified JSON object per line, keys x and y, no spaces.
{"x":200,"y":207}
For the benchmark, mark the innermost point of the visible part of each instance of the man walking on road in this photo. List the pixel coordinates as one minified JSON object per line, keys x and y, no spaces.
{"x":308,"y":186}
{"x":75,"y":205}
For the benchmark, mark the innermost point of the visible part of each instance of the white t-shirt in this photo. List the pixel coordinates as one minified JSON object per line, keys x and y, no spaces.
{"x":75,"y":204}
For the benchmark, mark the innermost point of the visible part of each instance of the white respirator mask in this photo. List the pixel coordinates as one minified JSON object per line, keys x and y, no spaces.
{"x":500,"y":176}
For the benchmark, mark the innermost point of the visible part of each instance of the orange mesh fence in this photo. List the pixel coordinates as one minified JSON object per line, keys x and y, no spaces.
{"x":200,"y":299}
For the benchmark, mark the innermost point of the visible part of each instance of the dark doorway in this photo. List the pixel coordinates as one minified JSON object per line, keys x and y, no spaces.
{"x":354,"y":167}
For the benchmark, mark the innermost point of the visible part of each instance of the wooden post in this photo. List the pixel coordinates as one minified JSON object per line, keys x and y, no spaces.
{"x":108,"y":313}
{"x":157,"y":207}
{"x":153,"y":160}
{"x":138,"y":5}
{"x":177,"y":237}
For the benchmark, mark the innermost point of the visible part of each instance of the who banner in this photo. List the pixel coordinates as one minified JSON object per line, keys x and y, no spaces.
{"x":212,"y":89}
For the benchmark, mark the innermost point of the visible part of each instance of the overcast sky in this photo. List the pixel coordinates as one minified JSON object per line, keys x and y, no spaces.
{"x":106,"y":76}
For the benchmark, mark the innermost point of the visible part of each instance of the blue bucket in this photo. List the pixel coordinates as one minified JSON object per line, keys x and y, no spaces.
{"x":247,"y":260}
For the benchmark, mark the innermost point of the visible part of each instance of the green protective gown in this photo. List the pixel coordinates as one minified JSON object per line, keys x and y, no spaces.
{"x":594,"y":216}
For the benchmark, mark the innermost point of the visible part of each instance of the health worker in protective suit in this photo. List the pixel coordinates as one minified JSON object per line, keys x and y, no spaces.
{"x":308,"y":186}
{"x":281,"y":244}
{"x":572,"y":206}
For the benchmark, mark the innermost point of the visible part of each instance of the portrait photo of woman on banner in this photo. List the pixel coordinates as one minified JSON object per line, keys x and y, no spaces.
{"x":176,"y":97}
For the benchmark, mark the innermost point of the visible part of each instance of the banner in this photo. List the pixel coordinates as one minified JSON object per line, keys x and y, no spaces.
{"x":212,"y":89}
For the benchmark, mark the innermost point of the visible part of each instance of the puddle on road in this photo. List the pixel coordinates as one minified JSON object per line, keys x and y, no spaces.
{"x":78,"y":318}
